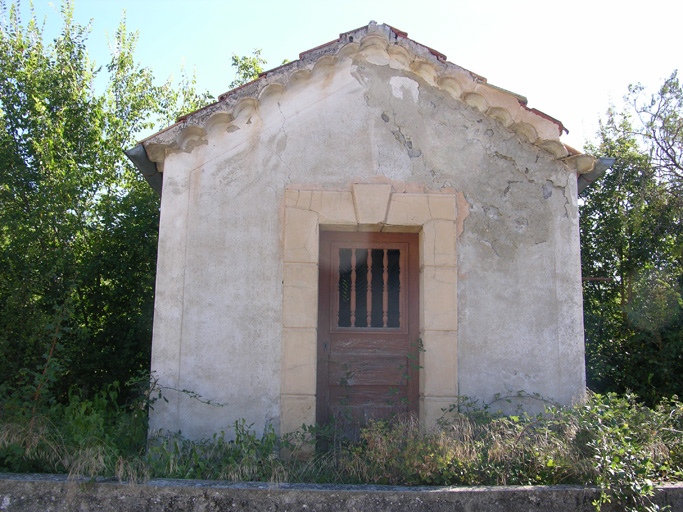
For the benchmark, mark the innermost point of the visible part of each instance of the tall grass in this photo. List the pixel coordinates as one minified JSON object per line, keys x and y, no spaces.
{"x":95,"y":436}
{"x":610,"y":441}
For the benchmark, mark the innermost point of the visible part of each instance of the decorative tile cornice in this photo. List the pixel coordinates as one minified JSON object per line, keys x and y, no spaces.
{"x":379,"y":45}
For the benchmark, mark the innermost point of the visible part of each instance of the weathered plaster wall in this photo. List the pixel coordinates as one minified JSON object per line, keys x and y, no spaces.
{"x":218,"y":323}
{"x":519,"y":297}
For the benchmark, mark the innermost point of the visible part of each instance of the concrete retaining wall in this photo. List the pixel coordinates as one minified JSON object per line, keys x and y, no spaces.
{"x":53,"y":493}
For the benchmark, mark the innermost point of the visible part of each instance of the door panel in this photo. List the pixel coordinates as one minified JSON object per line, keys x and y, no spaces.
{"x":367,"y":327}
{"x":373,"y":370}
{"x":384,"y":395}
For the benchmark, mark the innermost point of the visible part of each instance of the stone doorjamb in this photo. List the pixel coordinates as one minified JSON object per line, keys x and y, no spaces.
{"x":368,"y":207}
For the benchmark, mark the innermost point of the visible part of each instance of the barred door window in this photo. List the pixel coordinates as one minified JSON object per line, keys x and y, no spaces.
{"x":369,"y":285}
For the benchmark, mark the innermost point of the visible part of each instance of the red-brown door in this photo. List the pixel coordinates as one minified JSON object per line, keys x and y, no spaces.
{"x":367,"y":327}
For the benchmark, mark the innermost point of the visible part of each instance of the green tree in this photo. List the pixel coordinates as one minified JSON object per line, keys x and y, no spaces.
{"x":78,"y":226}
{"x":661,"y":118}
{"x":631,"y":241}
{"x":247,"y":68}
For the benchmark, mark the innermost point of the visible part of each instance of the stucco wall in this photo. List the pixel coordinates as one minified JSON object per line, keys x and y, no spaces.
{"x":218,"y":319}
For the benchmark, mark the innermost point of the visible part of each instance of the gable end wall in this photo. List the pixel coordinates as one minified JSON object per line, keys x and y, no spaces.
{"x":231,"y":263}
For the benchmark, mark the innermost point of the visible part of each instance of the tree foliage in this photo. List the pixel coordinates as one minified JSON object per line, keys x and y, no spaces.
{"x":632,"y":244}
{"x":247,"y":68}
{"x":661,"y":117}
{"x":78,"y":227}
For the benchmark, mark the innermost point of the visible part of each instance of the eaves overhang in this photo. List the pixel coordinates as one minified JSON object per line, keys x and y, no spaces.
{"x":147,"y":168}
{"x":394,"y":46}
{"x":601,"y":166}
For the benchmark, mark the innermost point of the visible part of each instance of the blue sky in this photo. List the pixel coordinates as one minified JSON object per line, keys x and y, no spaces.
{"x":570,"y":59}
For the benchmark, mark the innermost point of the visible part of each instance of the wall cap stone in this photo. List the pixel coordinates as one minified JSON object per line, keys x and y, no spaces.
{"x":58,"y":493}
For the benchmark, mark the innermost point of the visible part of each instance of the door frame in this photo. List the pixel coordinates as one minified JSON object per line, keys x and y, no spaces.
{"x":390,"y":206}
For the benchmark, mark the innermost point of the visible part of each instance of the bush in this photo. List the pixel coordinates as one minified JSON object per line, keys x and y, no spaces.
{"x":85,"y":437}
{"x":611,"y":441}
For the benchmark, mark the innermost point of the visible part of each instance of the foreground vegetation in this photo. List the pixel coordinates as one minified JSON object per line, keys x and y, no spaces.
{"x":611,"y":441}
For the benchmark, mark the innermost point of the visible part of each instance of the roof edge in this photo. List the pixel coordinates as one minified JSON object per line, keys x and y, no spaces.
{"x":147,"y":168}
{"x":601,"y":166}
{"x":507,"y":107}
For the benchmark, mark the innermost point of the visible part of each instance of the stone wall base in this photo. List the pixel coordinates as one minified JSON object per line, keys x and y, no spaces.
{"x":54,"y":493}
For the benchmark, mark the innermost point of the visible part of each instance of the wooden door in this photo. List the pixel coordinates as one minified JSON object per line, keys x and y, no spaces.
{"x":367,"y":328}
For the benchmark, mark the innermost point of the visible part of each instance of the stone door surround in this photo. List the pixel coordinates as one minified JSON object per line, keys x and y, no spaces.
{"x":385,"y":207}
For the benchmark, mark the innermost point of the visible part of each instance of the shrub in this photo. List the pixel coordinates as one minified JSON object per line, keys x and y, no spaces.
{"x":85,"y":437}
{"x":610,"y":441}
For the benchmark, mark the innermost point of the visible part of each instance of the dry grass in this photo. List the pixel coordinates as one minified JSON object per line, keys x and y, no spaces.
{"x":610,"y":441}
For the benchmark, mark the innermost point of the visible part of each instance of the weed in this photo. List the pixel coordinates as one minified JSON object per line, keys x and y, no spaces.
{"x":246,"y":458}
{"x":611,"y":441}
